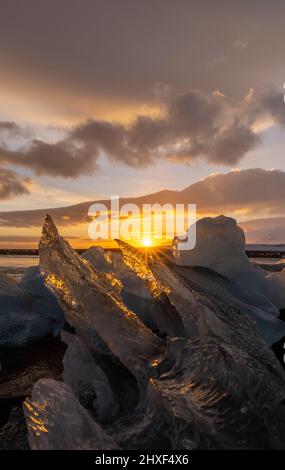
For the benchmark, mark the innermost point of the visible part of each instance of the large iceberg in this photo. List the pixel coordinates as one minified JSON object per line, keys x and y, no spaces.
{"x":220,"y":247}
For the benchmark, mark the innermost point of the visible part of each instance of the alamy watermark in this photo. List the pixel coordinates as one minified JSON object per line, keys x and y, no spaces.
{"x":147,"y":224}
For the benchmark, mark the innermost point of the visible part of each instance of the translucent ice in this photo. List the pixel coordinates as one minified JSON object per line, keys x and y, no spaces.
{"x":24,"y":317}
{"x":57,"y":421}
{"x":87,"y":380}
{"x":221,"y":247}
{"x":92,"y":304}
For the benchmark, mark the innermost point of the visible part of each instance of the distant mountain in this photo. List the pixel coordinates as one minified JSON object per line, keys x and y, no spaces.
{"x":23,"y":227}
{"x":77,"y":213}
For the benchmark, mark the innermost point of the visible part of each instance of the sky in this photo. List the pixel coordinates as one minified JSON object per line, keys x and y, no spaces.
{"x":108,"y":97}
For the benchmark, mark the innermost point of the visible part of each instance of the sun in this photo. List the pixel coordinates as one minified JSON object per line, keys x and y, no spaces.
{"x":146,"y":242}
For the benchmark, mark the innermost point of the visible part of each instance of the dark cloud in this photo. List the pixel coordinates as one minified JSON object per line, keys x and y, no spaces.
{"x":62,"y":159}
{"x":108,"y":138}
{"x":191,"y":126}
{"x":194,"y":114}
{"x":11,"y":129}
{"x":11,"y":184}
{"x":134,"y":145}
{"x":232,"y":144}
{"x":146,"y":135}
{"x":8,"y":126}
{"x":273,"y":103}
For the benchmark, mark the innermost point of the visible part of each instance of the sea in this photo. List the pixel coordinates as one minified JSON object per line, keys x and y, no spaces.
{"x":25,"y":261}
{"x":14,"y":261}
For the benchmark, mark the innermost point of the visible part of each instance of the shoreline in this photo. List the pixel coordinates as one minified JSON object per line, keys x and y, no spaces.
{"x":251,"y":253}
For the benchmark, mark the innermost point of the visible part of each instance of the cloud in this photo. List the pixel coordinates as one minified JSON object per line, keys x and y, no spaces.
{"x":107,"y":40}
{"x":269,"y":230}
{"x":11,"y":184}
{"x":8,"y":126}
{"x":61,"y":159}
{"x":190,"y":126}
{"x":108,"y":138}
{"x":245,"y":194}
{"x":249,"y":190}
{"x":11,"y":129}
{"x":273,"y":103}
{"x":232,"y":144}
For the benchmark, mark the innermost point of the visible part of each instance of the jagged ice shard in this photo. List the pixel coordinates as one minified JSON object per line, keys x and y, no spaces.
{"x":216,"y":386}
{"x":58,"y":421}
{"x":92,"y":304}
